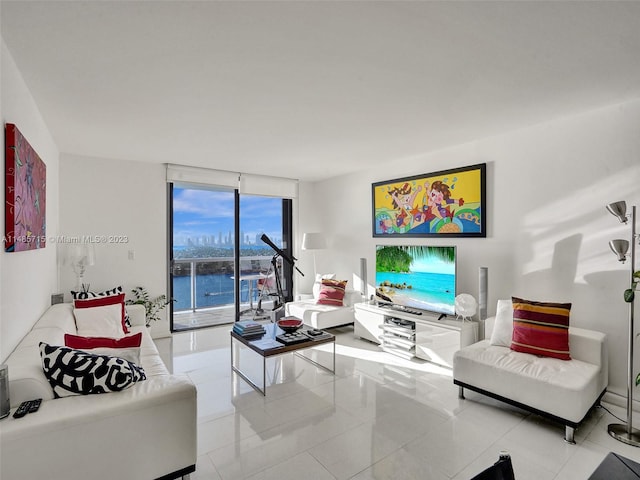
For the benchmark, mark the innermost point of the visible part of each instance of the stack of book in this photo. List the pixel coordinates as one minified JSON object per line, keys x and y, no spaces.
{"x":249,"y":329}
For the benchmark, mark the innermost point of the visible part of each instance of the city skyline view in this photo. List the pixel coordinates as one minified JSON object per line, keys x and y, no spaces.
{"x":204,"y":217}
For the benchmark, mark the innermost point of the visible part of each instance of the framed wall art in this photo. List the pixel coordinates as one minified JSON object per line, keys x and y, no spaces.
{"x":449,"y":202}
{"x":25,"y":194}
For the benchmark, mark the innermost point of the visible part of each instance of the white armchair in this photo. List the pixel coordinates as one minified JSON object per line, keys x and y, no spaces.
{"x":563,"y":390}
{"x":323,"y":316}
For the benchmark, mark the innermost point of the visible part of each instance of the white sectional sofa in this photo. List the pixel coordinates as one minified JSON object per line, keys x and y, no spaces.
{"x":563,"y":390}
{"x":147,"y":431}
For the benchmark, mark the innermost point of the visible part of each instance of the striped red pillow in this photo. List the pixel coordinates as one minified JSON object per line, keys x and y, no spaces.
{"x":332,"y":292}
{"x":541,"y":328}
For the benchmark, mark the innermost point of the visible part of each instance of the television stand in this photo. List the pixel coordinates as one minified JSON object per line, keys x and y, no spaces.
{"x":428,"y":336}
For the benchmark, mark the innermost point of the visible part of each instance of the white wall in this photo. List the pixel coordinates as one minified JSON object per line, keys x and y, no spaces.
{"x":547,"y":187}
{"x":27,"y":279}
{"x":117,"y":198}
{"x":305,"y":204}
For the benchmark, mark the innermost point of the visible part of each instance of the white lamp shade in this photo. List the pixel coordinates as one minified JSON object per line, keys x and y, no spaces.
{"x":313,"y":241}
{"x":81,"y":254}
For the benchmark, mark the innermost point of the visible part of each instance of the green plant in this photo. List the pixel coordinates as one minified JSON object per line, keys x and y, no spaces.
{"x":152,"y":307}
{"x":629,"y":293}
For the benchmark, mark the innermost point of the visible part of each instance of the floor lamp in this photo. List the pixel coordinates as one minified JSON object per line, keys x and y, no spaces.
{"x":626,"y":433}
{"x":314,"y":241}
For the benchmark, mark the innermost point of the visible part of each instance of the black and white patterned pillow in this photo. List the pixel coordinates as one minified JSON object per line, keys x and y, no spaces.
{"x":74,"y":372}
{"x":86,"y":294}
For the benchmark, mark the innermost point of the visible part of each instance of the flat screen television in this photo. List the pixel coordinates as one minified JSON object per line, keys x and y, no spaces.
{"x":417,"y":276}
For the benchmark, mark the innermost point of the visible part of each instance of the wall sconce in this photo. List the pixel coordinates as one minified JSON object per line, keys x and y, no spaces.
{"x":314,"y":241}
{"x":626,"y":433}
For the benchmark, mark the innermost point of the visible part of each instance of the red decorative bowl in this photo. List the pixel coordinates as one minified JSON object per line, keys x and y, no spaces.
{"x":289,"y":325}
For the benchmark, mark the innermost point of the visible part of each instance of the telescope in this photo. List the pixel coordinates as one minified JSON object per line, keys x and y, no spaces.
{"x":279,"y":303}
{"x":291,"y":259}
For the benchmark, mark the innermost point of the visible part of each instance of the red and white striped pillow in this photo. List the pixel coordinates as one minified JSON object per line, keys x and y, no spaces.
{"x":332,"y":292}
{"x":541,"y":328}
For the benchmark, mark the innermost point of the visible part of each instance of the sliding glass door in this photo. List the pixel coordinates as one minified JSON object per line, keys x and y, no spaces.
{"x":221,"y":269}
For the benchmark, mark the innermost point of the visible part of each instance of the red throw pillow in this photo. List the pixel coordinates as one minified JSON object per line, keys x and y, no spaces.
{"x":83,"y":343}
{"x":332,"y":292}
{"x":104,"y":301}
{"x":541,"y":328}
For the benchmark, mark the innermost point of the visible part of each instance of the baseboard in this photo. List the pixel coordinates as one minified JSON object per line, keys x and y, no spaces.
{"x":619,"y":400}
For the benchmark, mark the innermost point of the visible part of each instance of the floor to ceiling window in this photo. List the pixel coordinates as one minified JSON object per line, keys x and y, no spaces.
{"x":221,"y":269}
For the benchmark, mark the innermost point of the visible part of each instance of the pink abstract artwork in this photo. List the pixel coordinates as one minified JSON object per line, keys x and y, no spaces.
{"x":25,"y":194}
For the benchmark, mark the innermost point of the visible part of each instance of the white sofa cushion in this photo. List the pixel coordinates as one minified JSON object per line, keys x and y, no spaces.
{"x":318,"y":283}
{"x":503,"y":327}
{"x":26,"y":378}
{"x":51,"y":335}
{"x":27,"y":381}
{"x":59,"y":316}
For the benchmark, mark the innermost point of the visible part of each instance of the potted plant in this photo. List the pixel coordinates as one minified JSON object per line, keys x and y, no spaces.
{"x":629,"y":295}
{"x":152,"y":307}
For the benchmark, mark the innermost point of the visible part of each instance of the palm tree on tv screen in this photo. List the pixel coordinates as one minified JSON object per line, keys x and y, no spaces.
{"x":398,"y":258}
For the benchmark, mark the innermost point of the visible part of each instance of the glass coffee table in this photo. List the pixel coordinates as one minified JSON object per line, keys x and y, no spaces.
{"x":267,"y":346}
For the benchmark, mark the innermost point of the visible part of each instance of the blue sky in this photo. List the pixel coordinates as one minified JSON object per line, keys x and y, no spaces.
{"x":201,"y":212}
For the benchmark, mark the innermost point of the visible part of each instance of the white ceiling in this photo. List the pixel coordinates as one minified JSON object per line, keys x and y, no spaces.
{"x":312,"y":90}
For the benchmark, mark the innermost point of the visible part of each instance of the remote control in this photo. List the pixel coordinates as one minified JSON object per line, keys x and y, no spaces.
{"x":35,"y":405}
{"x":22,"y":410}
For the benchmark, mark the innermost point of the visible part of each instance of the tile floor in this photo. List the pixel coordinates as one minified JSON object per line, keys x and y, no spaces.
{"x":379,"y":417}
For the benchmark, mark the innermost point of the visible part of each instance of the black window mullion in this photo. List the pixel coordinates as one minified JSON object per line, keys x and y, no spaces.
{"x":236,"y":253}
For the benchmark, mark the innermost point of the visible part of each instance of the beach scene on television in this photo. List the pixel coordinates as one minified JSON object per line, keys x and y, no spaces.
{"x":443,"y":203}
{"x":416,"y":276}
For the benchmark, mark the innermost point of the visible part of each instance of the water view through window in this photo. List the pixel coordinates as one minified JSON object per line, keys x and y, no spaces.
{"x":204,"y":242}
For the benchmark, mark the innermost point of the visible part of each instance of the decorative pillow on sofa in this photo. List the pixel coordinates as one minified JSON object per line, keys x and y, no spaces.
{"x":541,"y":328}
{"x":332,"y":292}
{"x":86,"y":294}
{"x":73,"y":372}
{"x":102,"y":302}
{"x":103,"y":321}
{"x":126,"y":347}
{"x":503,"y":325}
{"x":318,"y":283}
{"x":82,"y":343}
{"x":83,"y":295}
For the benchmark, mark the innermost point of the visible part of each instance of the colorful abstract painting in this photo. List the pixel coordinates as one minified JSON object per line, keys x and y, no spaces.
{"x":25,"y":194}
{"x":450,"y":202}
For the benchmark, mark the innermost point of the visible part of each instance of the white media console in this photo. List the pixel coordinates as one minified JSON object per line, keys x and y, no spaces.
{"x":408,"y":334}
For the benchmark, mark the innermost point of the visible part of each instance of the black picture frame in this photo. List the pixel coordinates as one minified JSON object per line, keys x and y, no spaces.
{"x":448,"y":203}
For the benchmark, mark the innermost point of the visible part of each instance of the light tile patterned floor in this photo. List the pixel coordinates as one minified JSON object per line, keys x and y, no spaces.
{"x":379,"y":417}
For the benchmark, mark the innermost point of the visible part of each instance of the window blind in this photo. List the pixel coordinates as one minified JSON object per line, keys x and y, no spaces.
{"x":246,"y":183}
{"x":204,"y":176}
